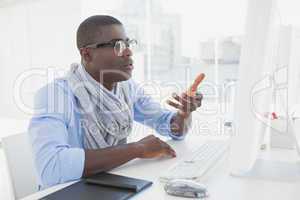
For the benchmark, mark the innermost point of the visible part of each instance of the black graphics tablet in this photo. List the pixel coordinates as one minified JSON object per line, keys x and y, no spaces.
{"x":101,"y":186}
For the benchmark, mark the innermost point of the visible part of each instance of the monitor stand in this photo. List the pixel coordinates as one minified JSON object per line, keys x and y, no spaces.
{"x":273,"y":171}
{"x":266,"y":168}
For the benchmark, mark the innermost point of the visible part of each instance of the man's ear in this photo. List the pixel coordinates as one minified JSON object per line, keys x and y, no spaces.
{"x":85,"y":54}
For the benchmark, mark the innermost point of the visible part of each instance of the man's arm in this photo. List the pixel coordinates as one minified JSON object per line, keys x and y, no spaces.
{"x":58,"y":162}
{"x":165,"y":122}
{"x":151,"y":113}
{"x":188,"y":102}
{"x":185,"y":104}
{"x":108,"y":158}
{"x":111,"y":157}
{"x":180,"y":124}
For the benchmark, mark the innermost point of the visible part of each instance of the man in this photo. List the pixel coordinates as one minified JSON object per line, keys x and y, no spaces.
{"x":83,"y":120}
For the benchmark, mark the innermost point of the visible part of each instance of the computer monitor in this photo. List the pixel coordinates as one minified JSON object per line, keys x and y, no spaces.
{"x":255,"y":96}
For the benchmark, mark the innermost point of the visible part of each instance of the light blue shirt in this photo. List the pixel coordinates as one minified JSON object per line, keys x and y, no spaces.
{"x":57,"y":138}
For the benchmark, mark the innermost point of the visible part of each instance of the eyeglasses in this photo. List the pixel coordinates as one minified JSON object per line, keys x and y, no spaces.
{"x":118,"y":45}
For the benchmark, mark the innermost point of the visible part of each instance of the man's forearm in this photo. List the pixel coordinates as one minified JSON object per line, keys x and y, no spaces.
{"x":180,"y":124}
{"x":108,"y":158}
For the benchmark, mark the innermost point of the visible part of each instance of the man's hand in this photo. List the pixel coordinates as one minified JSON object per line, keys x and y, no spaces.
{"x":186,"y":104}
{"x":151,"y":147}
{"x":105,"y":159}
{"x":190,"y":100}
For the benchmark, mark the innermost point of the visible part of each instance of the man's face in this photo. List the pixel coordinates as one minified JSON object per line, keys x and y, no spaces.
{"x":104,"y":62}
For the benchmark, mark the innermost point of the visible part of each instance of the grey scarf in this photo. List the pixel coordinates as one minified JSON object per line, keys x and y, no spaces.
{"x":107,"y":116}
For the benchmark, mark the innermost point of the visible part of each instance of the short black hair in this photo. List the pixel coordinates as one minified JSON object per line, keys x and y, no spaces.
{"x":88,"y":29}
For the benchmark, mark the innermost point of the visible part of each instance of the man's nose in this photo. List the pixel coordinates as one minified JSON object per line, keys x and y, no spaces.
{"x":127,"y":52}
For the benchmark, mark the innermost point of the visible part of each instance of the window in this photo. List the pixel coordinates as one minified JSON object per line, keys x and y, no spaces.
{"x":178,"y":39}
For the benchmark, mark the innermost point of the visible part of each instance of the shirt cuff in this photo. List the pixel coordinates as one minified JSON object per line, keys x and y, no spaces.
{"x":172,"y":135}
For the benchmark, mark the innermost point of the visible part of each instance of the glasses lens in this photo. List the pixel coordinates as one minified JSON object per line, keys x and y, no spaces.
{"x":132,"y":44}
{"x":120,"y":46}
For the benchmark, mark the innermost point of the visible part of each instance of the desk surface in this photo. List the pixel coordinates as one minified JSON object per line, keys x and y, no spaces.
{"x":219,"y":183}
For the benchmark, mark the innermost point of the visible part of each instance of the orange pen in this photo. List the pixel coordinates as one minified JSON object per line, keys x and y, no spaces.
{"x":193,"y":88}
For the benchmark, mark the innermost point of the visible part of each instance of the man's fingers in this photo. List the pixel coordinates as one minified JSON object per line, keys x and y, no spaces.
{"x":148,"y":137}
{"x":188,"y":104}
{"x":175,"y":105}
{"x":199,"y":103}
{"x":168,"y":149}
{"x":182,"y":100}
{"x":199,"y":95}
{"x":171,"y":152}
{"x":195,"y":101}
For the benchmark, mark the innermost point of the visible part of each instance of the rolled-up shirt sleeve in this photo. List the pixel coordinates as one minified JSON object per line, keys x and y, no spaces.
{"x":56,"y":161}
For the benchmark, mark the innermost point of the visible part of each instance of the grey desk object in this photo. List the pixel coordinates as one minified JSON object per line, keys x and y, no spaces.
{"x":186,"y":188}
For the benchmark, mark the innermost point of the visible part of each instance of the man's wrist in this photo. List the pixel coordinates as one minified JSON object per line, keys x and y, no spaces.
{"x":137,"y":149}
{"x":176,"y":124}
{"x":180,"y":124}
{"x":183,"y":115}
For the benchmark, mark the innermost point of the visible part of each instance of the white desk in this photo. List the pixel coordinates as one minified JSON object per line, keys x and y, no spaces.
{"x":221,"y":185}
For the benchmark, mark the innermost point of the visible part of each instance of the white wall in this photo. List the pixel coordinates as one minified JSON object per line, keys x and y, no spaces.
{"x":41,"y":33}
{"x":34,"y":34}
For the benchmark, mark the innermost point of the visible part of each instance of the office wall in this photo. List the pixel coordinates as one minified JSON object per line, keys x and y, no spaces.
{"x":34,"y":35}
